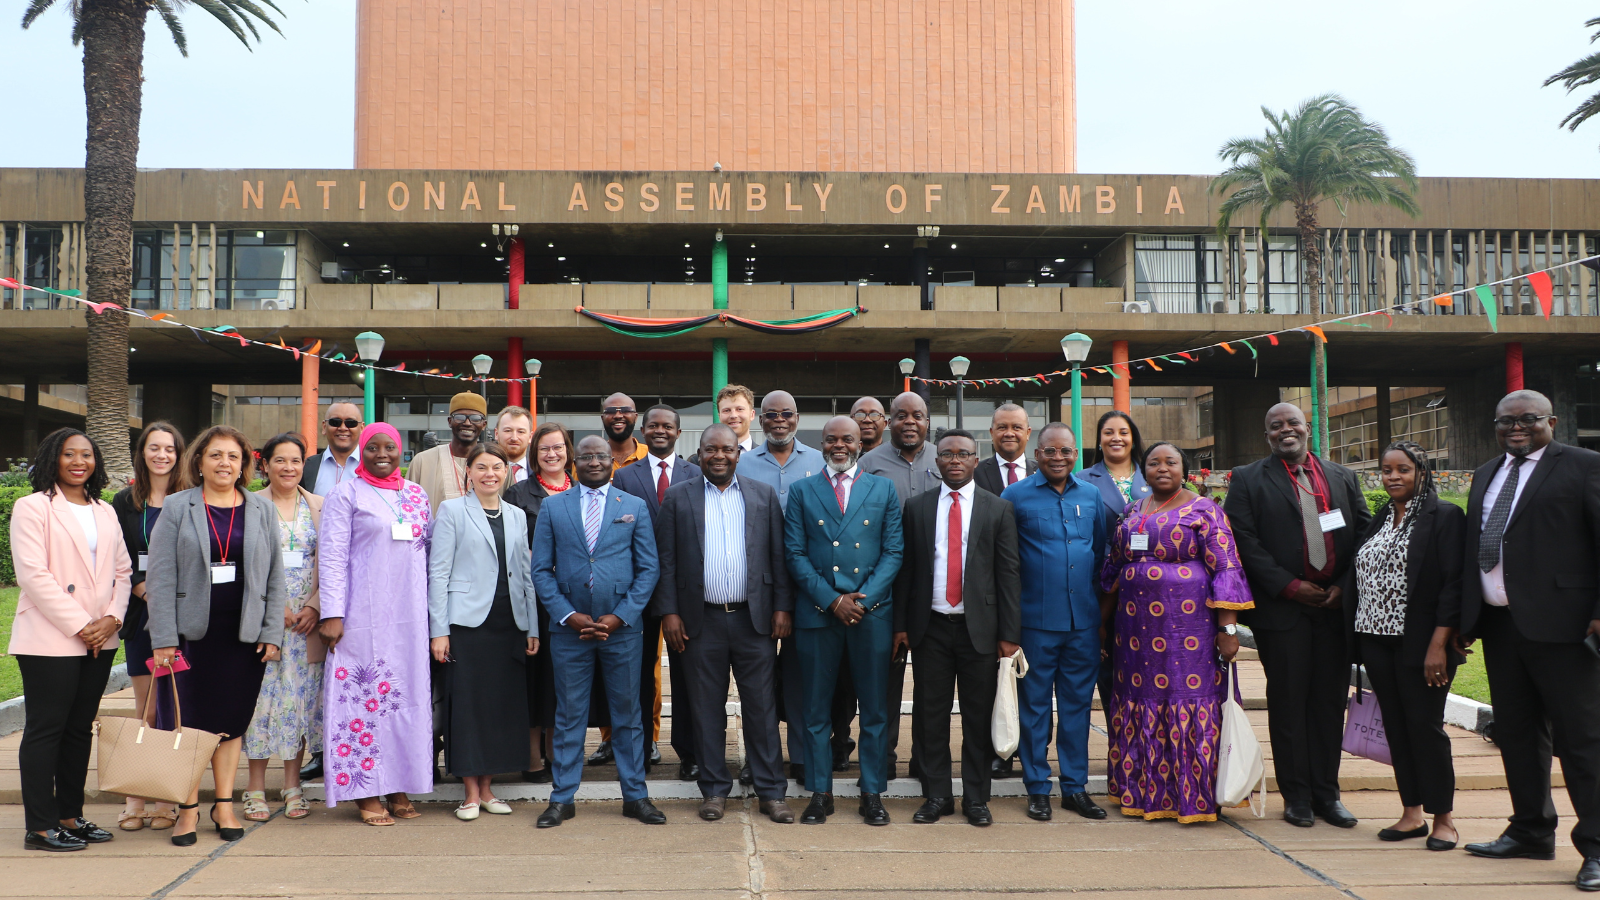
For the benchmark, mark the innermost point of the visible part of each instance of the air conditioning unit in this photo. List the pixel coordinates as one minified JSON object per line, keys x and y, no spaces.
{"x":330,"y":271}
{"x":1136,"y":306}
{"x":276,"y":304}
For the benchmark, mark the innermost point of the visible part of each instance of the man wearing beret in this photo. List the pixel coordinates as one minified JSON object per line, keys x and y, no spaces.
{"x":442,"y":470}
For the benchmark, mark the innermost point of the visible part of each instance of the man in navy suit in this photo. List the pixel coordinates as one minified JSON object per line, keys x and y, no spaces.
{"x":594,"y":568}
{"x":844,"y":543}
{"x":648,"y":479}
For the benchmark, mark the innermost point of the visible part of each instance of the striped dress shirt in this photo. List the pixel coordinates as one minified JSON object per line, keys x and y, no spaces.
{"x":725,"y":573}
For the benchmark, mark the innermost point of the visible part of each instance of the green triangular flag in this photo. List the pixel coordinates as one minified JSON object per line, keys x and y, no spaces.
{"x":1487,"y":299}
{"x":1253,"y":354}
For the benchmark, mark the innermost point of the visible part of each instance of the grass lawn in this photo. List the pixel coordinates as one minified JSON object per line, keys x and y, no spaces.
{"x":10,"y":678}
{"x":1471,"y":679}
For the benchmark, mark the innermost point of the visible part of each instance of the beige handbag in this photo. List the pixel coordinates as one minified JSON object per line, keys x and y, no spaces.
{"x":139,"y":760}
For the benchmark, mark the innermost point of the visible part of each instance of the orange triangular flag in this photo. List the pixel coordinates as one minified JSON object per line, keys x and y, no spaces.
{"x":1317,"y":330}
{"x":1542,"y":287}
{"x":1444,"y":300}
{"x":1224,"y":345}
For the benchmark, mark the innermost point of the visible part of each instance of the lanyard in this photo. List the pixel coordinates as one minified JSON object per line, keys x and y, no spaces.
{"x":144,"y":524}
{"x":398,"y":516}
{"x":1323,"y":501}
{"x":222,"y":545}
{"x":289,"y":525}
{"x":1146,"y":502}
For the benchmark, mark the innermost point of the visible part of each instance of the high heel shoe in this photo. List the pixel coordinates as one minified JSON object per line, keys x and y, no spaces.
{"x":186,"y":840}
{"x":228,"y":834}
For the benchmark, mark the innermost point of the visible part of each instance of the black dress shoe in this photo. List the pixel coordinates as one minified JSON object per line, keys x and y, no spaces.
{"x":1391,"y":834}
{"x":688,"y":771}
{"x":55,"y":840}
{"x":1081,"y":804}
{"x":1001,"y":768}
{"x":1039,"y":807}
{"x":1589,"y":875}
{"x":931,"y":810}
{"x":977,"y":813}
{"x":644,"y":811}
{"x":818,"y":810}
{"x":312,"y":770}
{"x":872,"y":811}
{"x":542,"y":776}
{"x":1334,"y":813}
{"x":1298,"y":813}
{"x":746,"y":777}
{"x":1507,"y":847}
{"x":555,"y":814}
{"x":654,"y":759}
{"x":797,"y":771}
{"x":87,"y":831}
{"x":602,"y":755}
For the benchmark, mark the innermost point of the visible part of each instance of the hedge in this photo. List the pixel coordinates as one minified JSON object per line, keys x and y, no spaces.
{"x":8,"y":498}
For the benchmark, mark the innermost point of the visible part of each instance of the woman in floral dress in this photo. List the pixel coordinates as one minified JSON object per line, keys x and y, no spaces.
{"x":378,"y":709}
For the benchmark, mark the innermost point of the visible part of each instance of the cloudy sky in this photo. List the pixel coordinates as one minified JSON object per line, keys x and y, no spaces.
{"x":1161,"y":84}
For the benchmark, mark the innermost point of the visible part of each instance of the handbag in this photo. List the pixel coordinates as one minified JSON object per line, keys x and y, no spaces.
{"x":1005,"y":728}
{"x":138,"y":759}
{"x":1363,"y":726}
{"x":1241,"y":772}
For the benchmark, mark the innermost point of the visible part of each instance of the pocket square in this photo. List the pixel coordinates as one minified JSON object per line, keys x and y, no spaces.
{"x":625,"y":518}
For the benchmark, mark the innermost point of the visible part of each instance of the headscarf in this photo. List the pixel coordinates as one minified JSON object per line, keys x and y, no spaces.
{"x":394,"y":481}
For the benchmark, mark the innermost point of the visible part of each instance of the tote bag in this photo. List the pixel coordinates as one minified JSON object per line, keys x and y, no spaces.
{"x":139,"y":760}
{"x":1004,"y":725}
{"x":1241,"y":772}
{"x":1363,"y":726}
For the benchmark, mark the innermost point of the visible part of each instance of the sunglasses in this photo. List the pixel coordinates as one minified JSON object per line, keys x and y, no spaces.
{"x":344,"y":423}
{"x":474,"y":418}
{"x":778,"y":414}
{"x":618,"y":410}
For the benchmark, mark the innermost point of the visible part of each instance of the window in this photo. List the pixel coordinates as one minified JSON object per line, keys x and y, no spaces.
{"x":245,"y":270}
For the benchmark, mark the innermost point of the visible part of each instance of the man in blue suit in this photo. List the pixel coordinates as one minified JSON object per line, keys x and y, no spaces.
{"x":594,"y":568}
{"x":844,"y":543}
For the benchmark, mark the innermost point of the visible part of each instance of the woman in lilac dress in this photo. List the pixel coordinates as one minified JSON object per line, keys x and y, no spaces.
{"x":1177,"y":585}
{"x":373,"y":574}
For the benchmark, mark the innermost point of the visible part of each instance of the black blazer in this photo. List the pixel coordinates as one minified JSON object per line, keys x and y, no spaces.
{"x":680,"y":532}
{"x":989,"y":477}
{"x":991,"y":575}
{"x":1264,"y":508}
{"x":308,"y":473}
{"x":527,"y":495}
{"x":1551,"y":554}
{"x":639,"y":479}
{"x":1433,"y":574}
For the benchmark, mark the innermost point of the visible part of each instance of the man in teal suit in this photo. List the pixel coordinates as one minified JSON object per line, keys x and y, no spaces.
{"x":844,"y":543}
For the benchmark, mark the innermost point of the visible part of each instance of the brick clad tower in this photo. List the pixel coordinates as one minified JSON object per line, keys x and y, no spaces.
{"x":809,"y":85}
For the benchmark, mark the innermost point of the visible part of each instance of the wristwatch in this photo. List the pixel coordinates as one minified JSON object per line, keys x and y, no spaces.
{"x":1229,"y":630}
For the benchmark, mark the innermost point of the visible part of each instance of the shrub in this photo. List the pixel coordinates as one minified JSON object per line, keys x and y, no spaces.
{"x":1376,"y":500}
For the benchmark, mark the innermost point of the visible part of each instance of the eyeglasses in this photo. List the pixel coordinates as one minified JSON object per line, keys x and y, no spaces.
{"x":914,"y":416}
{"x":1057,"y":452}
{"x":594,"y":457}
{"x":344,"y":423}
{"x":963,"y":455}
{"x":869,"y":417}
{"x":474,"y":418}
{"x":618,"y":410}
{"x":1526,"y":420}
{"x":776,"y":415}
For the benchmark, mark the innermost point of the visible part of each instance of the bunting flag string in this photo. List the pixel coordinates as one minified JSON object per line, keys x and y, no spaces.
{"x":647,"y":328}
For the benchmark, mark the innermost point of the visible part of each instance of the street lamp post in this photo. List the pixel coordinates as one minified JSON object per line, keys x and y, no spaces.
{"x":1075,"y":347}
{"x":533,"y":391}
{"x":481,"y":364}
{"x":958,"y":368}
{"x":369,"y":346}
{"x":907,"y":366}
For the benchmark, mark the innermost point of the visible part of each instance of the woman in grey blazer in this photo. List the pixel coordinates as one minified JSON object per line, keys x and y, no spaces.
{"x":215,"y":590}
{"x":481,"y":614}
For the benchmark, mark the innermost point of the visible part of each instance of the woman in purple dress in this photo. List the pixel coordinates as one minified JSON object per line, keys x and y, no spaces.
{"x":1177,"y":585}
{"x":373,"y":574}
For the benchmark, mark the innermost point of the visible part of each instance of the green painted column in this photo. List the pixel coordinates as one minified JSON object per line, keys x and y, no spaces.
{"x":719,"y":300}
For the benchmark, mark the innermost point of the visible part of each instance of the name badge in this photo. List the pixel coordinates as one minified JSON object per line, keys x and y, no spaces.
{"x":1138,"y":541}
{"x":1332,"y":520}
{"x":400,"y":531}
{"x":223,"y":574}
{"x":144,"y":561}
{"x":294,"y":559}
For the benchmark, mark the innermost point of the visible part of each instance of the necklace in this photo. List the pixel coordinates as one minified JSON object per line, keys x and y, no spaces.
{"x":566,"y":482}
{"x":499,"y":511}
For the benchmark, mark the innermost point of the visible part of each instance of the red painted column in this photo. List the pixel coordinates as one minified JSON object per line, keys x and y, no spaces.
{"x":1513,"y":366}
{"x":1121,"y":391}
{"x":514,"y":345}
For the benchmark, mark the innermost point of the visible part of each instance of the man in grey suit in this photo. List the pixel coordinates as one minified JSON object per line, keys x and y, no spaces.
{"x":724,"y":599}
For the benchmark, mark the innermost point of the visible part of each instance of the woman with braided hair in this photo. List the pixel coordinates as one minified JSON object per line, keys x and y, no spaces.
{"x":1409,"y":564}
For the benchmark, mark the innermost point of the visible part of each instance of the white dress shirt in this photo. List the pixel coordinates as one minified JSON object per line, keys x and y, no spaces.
{"x":91,"y":531}
{"x":851,"y":474}
{"x":1020,"y":464}
{"x":941,"y":544}
{"x":1494,"y":580}
{"x":584,"y":492}
{"x":330,"y":474}
{"x":747,"y":444}
{"x":519,"y":470}
{"x":724,"y":568}
{"x":657,"y":464}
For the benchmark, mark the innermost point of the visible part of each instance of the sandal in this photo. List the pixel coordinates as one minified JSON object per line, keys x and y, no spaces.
{"x":406,"y":810}
{"x":294,"y":803}
{"x":130,"y":821}
{"x":378,"y":817}
{"x":255,"y":806}
{"x":162,"y":818}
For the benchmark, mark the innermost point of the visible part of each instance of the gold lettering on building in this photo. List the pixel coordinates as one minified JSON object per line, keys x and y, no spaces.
{"x":405,"y":196}
{"x":931,"y":193}
{"x":1070,"y":203}
{"x":649,"y":199}
{"x":577,"y":199}
{"x":723,"y":199}
{"x":614,"y":197}
{"x":1138,"y":199}
{"x":430,"y":198}
{"x":788,"y":199}
{"x":1174,"y":202}
{"x":1105,"y":200}
{"x":1004,"y":190}
{"x":889,"y":201}
{"x":361,"y":198}
{"x":253,"y":195}
{"x":822,"y":195}
{"x":290,"y":195}
{"x":755,"y":197}
{"x":326,"y":186}
{"x":470,"y":198}
{"x":504,"y":206}
{"x":1035,"y":200}
{"x":685,"y":196}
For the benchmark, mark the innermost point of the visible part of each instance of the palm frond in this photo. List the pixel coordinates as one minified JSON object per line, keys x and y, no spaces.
{"x":174,"y":25}
{"x":35,"y":9}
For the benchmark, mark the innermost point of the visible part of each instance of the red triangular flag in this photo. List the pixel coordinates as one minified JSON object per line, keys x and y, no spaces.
{"x":1273,"y":338}
{"x":1541,"y":286}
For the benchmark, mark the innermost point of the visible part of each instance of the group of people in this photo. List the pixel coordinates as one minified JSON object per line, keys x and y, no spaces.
{"x":514,"y":589}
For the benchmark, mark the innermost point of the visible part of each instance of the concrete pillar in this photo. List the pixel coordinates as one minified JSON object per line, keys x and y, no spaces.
{"x":517,"y":258}
{"x":1385,"y":415}
{"x":310,"y":385}
{"x":30,"y":414}
{"x":1121,"y":389}
{"x":919,"y":270}
{"x":1239,"y":411}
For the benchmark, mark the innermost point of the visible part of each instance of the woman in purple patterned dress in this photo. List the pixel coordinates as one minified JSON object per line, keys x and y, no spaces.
{"x":372,"y":569}
{"x":1178,"y":585}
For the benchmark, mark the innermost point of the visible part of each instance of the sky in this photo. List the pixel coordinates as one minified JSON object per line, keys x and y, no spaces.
{"x":1161,"y":84}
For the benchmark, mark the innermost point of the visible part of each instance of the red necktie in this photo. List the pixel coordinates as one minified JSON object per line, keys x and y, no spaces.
{"x":838,"y":489}
{"x":952,"y":554}
{"x":661,"y":483}
{"x":1011,"y":473}
{"x":514,"y":471}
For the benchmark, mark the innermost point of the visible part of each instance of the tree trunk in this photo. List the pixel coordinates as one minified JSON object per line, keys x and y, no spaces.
{"x":113,"y":83}
{"x":1305,"y":217}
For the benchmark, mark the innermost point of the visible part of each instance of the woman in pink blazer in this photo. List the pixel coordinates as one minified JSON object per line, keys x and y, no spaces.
{"x":75,"y":575}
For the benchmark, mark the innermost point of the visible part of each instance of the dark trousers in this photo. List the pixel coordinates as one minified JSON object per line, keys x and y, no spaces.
{"x":867,"y":644}
{"x":897,"y":688}
{"x":844,"y":712}
{"x":1413,"y":722}
{"x":1546,"y":697}
{"x":789,"y":691}
{"x":1308,"y":682}
{"x":947,"y":662}
{"x":575,"y":662}
{"x":728,"y":641}
{"x":63,"y":697}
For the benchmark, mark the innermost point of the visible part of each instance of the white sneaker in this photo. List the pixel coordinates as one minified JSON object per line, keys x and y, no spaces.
{"x":496,"y":806}
{"x":466,"y":812}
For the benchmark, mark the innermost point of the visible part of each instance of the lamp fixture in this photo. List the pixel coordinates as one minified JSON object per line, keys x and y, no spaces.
{"x":927,"y":231}
{"x":369,"y":346}
{"x":1075,"y":347}
{"x":959,"y":366}
{"x":533,"y":366}
{"x":481,"y":364}
{"x":907,"y":366}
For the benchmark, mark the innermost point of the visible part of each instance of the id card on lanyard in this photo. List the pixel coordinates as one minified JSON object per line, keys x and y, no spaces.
{"x":1328,"y":518}
{"x":400,"y":529}
{"x":222,"y":571}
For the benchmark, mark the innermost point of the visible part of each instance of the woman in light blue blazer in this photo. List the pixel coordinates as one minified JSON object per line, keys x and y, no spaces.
{"x":483,"y":624}
{"x":1118,"y":474}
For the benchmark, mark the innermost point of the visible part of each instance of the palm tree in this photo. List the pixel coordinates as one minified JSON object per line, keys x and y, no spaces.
{"x":1584,"y":71}
{"x":1324,"y":150}
{"x":112,"y":35}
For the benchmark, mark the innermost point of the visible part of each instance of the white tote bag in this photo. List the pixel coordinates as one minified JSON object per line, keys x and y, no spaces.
{"x":1241,"y":771}
{"x":1004,"y":726}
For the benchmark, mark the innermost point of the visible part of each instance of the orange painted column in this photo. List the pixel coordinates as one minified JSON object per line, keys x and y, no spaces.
{"x":310,"y":384}
{"x":1121,"y":391}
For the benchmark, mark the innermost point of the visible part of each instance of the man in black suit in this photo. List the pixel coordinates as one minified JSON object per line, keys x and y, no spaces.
{"x":1297,"y":519}
{"x":958,"y":605}
{"x":1532,"y":592}
{"x":1009,"y":431}
{"x":648,"y":479}
{"x":724,"y":600}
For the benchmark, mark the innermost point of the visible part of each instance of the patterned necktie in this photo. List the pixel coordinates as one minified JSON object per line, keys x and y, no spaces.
{"x":1316,"y":546}
{"x":591,"y":526}
{"x":838,"y":488}
{"x":1011,"y":473}
{"x":1494,"y":531}
{"x":952,"y":554}
{"x":661,"y":483}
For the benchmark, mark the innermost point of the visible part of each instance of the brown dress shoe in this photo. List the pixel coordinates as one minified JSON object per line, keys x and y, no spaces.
{"x":778,"y":811}
{"x":712,"y":808}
